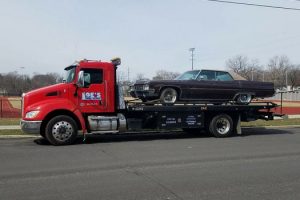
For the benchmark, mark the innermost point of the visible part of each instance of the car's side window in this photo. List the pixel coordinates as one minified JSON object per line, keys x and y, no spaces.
{"x":207,"y":75}
{"x":223,"y":76}
{"x":92,"y":76}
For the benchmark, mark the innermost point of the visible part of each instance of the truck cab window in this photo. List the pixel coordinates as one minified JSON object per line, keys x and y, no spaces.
{"x":92,"y":76}
{"x":69,"y":74}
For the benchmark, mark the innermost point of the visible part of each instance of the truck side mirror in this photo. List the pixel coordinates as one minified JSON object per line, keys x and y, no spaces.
{"x":80,"y":79}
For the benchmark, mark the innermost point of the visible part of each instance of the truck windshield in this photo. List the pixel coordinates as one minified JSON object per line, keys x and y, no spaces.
{"x":69,"y":74}
{"x":189,"y":75}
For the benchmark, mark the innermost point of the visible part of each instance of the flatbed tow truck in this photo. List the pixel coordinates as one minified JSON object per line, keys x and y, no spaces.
{"x":90,"y":100}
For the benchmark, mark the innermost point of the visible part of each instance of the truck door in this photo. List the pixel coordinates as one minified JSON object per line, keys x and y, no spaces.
{"x":92,"y":97}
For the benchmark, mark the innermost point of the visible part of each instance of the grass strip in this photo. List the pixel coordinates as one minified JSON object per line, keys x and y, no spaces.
{"x":12,"y":132}
{"x":9,"y":121}
{"x":278,"y":122}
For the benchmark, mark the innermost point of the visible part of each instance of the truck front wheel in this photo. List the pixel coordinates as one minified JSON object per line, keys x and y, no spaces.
{"x":221,"y":125}
{"x":61,"y":130}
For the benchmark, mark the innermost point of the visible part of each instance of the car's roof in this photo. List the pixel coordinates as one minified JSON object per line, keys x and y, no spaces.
{"x":234,"y":75}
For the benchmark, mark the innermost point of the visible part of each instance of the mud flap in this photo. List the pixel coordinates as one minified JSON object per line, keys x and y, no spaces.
{"x":238,"y":129}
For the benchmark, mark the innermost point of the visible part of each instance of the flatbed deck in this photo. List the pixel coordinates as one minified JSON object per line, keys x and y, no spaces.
{"x":255,"y":106}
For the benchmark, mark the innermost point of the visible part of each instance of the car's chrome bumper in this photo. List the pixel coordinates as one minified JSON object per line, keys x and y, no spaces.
{"x":30,"y":126}
{"x":148,"y":94}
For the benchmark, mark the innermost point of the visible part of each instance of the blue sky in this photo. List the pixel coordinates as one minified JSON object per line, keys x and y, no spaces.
{"x":45,"y":36}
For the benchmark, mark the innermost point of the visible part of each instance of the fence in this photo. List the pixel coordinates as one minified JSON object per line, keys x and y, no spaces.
{"x":10,"y":107}
{"x":287,"y":96}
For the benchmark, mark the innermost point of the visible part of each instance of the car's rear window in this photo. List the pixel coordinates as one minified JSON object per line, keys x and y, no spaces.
{"x":223,"y":76}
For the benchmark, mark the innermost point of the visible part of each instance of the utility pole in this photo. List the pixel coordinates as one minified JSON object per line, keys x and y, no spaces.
{"x":128,"y":75}
{"x":286,"y":78}
{"x":192,"y":53}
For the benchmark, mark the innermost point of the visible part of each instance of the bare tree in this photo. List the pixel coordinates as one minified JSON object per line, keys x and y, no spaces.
{"x":293,"y":75}
{"x":140,"y":76}
{"x":41,"y":80}
{"x":241,"y":65}
{"x":278,"y":69}
{"x":165,"y":75}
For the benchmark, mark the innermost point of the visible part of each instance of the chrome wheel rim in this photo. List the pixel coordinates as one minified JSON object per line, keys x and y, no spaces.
{"x":170,"y":96}
{"x":244,"y":98}
{"x":62,"y":131}
{"x":223,"y":126}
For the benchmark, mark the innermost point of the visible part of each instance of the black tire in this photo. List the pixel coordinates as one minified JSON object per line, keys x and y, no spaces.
{"x":144,"y":100}
{"x":61,"y":130}
{"x":221,"y":126}
{"x":168,"y":96}
{"x":43,"y":135}
{"x":243,"y":99}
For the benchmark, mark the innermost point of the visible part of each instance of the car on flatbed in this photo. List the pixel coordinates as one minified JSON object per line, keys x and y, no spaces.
{"x":211,"y":86}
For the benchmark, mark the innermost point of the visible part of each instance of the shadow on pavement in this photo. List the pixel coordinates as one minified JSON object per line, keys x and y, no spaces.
{"x":91,"y":139}
{"x":265,"y":131}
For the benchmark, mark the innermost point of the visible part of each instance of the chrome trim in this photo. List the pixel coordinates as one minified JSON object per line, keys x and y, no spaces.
{"x":30,"y":126}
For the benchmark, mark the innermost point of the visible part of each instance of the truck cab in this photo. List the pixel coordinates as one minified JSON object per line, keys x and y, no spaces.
{"x":87,"y":89}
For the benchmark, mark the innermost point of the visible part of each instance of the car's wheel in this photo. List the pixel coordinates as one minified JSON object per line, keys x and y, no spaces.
{"x":244,"y":99}
{"x":221,"y":125}
{"x":61,"y":130}
{"x":168,"y":96}
{"x":143,"y":99}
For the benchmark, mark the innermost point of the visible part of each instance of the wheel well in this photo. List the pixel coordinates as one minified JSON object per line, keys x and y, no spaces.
{"x":237,"y":95}
{"x":56,"y":113}
{"x":178,"y":90}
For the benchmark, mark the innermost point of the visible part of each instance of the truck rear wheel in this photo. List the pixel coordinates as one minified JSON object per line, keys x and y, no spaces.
{"x":221,"y":125}
{"x":61,"y":130}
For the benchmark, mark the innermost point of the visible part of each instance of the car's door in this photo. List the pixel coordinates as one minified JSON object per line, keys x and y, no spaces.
{"x":213,"y":85}
{"x":202,"y":88}
{"x":225,"y":86}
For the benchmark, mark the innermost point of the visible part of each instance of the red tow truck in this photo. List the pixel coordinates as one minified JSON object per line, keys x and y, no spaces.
{"x":89,"y":100}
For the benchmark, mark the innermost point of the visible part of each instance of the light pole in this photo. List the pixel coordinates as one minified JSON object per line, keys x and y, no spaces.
{"x":192,"y":53}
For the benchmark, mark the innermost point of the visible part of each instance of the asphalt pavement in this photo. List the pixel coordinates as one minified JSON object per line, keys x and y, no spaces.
{"x":261,"y":164}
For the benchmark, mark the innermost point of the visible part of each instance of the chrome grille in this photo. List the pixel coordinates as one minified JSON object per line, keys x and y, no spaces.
{"x":139,"y":87}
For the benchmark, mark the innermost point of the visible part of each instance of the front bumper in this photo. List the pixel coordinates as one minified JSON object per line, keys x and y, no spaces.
{"x":144,"y":94}
{"x":32,"y":127}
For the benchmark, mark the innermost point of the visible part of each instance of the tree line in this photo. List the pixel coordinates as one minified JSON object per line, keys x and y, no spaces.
{"x":278,"y":70}
{"x":14,"y":84}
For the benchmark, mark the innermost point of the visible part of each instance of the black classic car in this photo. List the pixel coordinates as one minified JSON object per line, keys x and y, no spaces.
{"x":209,"y":86}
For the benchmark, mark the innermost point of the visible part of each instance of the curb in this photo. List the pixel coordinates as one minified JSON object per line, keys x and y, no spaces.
{"x":18,"y":136}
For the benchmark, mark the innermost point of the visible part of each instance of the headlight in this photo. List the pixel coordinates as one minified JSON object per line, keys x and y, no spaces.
{"x":146,"y":87}
{"x":32,"y":114}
